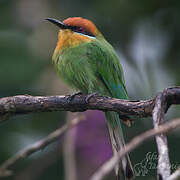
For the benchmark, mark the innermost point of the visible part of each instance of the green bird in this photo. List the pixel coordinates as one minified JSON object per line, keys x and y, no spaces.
{"x":89,"y":64}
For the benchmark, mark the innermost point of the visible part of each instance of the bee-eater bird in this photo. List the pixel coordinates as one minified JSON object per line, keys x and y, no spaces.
{"x":88,"y":63}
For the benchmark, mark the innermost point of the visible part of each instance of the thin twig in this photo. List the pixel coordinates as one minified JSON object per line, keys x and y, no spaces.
{"x":69,"y":150}
{"x":135,"y":142}
{"x":175,"y":175}
{"x":36,"y":147}
{"x":163,"y":168}
{"x":27,"y":104}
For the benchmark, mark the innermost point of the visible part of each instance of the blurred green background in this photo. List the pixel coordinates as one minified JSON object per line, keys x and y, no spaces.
{"x":146,"y":35}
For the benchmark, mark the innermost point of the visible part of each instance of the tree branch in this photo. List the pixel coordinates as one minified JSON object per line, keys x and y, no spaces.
{"x":134,"y":143}
{"x":24,"y":104}
{"x":163,"y":168}
{"x":36,"y":147}
{"x":154,"y":107}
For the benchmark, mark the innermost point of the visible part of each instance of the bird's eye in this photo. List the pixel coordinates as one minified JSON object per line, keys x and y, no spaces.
{"x":80,"y":29}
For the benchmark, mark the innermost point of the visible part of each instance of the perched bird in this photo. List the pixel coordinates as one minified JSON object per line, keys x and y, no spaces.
{"x":88,"y":63}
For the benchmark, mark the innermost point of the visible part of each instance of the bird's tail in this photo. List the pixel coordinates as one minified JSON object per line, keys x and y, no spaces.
{"x":124,"y":169}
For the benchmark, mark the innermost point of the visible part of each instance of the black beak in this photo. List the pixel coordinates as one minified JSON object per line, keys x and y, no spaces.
{"x":57,"y":23}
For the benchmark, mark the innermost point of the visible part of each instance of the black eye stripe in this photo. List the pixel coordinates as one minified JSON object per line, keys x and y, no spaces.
{"x":80,"y":30}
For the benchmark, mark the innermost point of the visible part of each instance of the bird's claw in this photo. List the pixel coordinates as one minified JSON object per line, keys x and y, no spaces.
{"x":89,"y":96}
{"x":71,"y":97}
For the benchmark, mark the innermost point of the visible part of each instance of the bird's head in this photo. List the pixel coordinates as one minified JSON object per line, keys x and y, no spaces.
{"x":77,"y":25}
{"x":75,"y":30}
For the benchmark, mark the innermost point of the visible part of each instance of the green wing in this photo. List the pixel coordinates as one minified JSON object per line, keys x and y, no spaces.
{"x":108,"y":68}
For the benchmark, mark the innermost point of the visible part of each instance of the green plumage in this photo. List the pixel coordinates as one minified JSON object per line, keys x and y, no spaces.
{"x":95,"y":67}
{"x":92,"y":67}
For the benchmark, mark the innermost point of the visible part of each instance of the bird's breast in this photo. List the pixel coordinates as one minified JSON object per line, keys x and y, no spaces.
{"x":68,"y":39}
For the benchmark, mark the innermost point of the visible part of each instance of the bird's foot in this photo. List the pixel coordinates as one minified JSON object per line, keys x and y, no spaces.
{"x":126,"y":120}
{"x":71,"y":97}
{"x":89,"y":96}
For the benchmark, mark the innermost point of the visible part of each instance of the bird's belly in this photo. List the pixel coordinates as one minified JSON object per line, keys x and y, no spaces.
{"x":77,"y":75}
